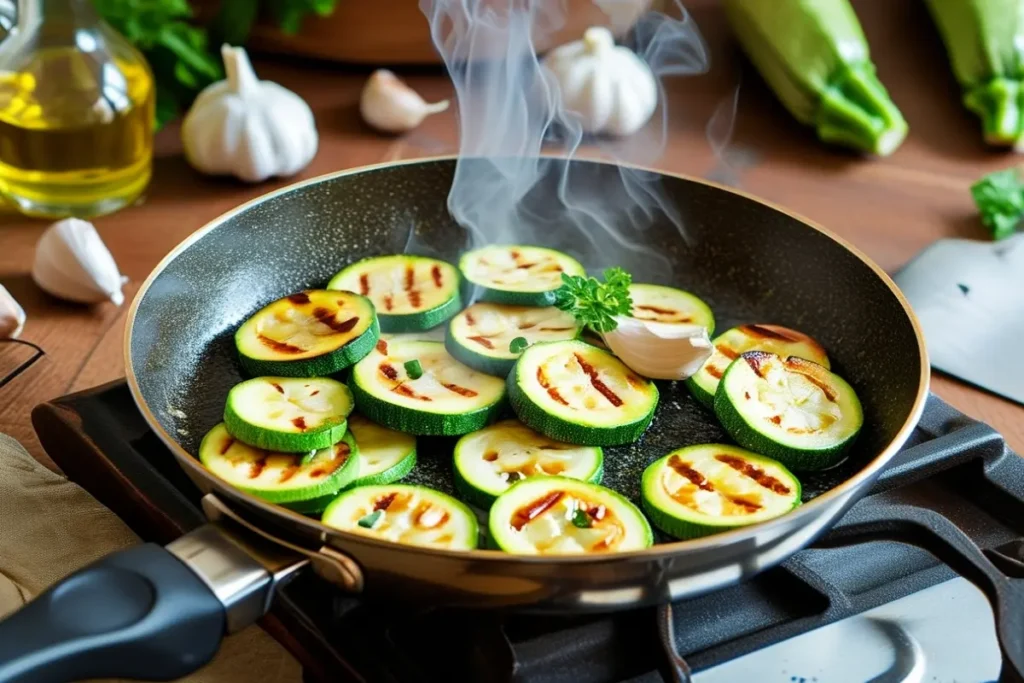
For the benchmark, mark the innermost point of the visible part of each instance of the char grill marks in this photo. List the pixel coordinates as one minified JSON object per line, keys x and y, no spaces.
{"x":542,"y":379}
{"x":279,"y":347}
{"x":686,"y":470}
{"x":535,"y":509}
{"x":756,"y":473}
{"x":597,"y":383}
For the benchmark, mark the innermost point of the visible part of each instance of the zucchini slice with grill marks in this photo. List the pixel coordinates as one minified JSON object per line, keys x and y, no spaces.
{"x":657,"y":303}
{"x":447,"y":399}
{"x":517,"y":274}
{"x":385,"y":456}
{"x":789,"y":409}
{"x":481,"y":335}
{"x":702,"y":490}
{"x":288,"y":414}
{"x":402,"y":513}
{"x":307,"y":334}
{"x":559,"y":516}
{"x":574,"y":392}
{"x":489,"y":461}
{"x":297,"y":480}
{"x":731,"y":343}
{"x":410,"y":293}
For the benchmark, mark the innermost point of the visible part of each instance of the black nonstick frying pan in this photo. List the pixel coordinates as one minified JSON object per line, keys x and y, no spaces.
{"x":158,"y":613}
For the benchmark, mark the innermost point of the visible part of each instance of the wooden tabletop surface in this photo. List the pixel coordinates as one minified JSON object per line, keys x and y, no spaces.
{"x":891,"y":208}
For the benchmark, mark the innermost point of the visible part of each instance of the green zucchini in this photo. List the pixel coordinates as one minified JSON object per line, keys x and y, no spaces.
{"x":385,"y":456}
{"x":559,"y":516}
{"x":814,"y":56}
{"x":448,"y":399}
{"x":489,"y":461}
{"x":481,"y":336}
{"x":657,"y":303}
{"x":288,"y":414}
{"x":702,"y":490}
{"x":516,"y":274}
{"x":792,"y":410}
{"x":985,"y":43}
{"x":410,"y":293}
{"x":731,"y":343}
{"x":291,"y":479}
{"x":307,"y":334}
{"x":573,"y":392}
{"x":402,"y":513}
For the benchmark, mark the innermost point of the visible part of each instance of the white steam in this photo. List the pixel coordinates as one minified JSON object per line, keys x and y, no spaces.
{"x":504,"y":192}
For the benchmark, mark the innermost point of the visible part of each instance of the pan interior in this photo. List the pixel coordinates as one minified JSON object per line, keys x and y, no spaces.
{"x":749,"y":262}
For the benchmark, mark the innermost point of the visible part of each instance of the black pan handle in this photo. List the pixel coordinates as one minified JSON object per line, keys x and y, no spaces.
{"x":933,"y":532}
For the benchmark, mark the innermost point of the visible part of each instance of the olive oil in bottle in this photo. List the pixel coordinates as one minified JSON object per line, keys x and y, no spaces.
{"x":76,"y":113}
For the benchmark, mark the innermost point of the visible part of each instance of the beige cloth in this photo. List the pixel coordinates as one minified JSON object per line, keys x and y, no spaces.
{"x":50,"y":527}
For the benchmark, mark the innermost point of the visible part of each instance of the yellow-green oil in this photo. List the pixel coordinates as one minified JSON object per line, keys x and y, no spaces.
{"x":76,"y":134}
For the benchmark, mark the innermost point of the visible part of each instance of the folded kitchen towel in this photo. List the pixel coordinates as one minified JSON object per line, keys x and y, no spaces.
{"x":49,"y":527}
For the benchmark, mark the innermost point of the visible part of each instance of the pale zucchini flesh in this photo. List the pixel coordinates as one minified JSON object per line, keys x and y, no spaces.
{"x":385,"y":456}
{"x":307,"y":334}
{"x":517,"y":274}
{"x":402,"y":513}
{"x":657,"y":303}
{"x":536,"y":517}
{"x":489,"y":461}
{"x":481,"y":335}
{"x":705,"y":489}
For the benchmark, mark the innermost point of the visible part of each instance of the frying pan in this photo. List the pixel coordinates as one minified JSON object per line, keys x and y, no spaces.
{"x":158,"y":613}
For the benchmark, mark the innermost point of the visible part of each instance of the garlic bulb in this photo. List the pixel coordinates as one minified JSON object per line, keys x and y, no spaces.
{"x":12,"y":315}
{"x":609,"y":88}
{"x":248,"y":128}
{"x":72,"y":263}
{"x":391,"y":106}
{"x":659,"y":350}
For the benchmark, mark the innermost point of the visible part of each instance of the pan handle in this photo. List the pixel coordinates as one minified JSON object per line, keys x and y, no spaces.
{"x":147,"y":612}
{"x":998,"y":576}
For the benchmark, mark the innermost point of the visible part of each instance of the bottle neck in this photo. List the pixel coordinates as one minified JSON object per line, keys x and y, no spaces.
{"x":67,"y":12}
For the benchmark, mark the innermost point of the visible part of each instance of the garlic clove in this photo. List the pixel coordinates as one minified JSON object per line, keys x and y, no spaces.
{"x":73,"y":263}
{"x":657,"y":350}
{"x":391,"y":106}
{"x":12,"y":315}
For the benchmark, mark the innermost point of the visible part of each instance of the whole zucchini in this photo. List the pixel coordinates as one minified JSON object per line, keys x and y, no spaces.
{"x":815,"y":57}
{"x":985,"y":43}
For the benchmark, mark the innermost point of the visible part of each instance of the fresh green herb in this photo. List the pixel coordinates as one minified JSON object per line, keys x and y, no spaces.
{"x":413,"y":369}
{"x":580,"y":519}
{"x":518,"y":345}
{"x":999,"y":197}
{"x":513,"y":477}
{"x":370,"y":520}
{"x":596,"y":303}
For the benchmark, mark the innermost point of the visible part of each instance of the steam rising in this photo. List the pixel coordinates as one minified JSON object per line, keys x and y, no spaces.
{"x":510,"y":113}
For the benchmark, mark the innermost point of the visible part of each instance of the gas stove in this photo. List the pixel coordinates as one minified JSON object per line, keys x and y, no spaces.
{"x":880,"y":611}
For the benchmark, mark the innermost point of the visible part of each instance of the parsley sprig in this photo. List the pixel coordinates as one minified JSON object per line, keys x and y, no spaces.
{"x":594,"y":303}
{"x":999,"y":197}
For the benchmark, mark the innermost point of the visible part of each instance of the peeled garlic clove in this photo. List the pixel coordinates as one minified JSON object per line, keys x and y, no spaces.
{"x":391,"y":106}
{"x":72,"y":263}
{"x":659,"y":350}
{"x":12,"y":315}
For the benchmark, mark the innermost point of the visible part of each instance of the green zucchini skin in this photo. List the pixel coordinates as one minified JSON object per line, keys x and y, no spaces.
{"x":422,"y":423}
{"x":498,"y":367}
{"x":375,"y":436}
{"x":418,"y":322}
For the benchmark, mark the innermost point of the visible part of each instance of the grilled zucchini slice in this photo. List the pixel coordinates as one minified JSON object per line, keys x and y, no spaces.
{"x":402,"y":513}
{"x":706,"y":489}
{"x":516,"y":274}
{"x":291,"y":479}
{"x":657,"y":303}
{"x":559,"y":516}
{"x":307,"y":334}
{"x":576,"y":393}
{"x":385,"y":456}
{"x":789,"y":409}
{"x":491,"y":460}
{"x":481,"y":336}
{"x":410,"y":293}
{"x":731,"y":343}
{"x":448,"y":399}
{"x":288,"y":414}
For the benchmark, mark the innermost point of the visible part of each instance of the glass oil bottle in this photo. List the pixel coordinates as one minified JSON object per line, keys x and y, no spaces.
{"x":76,"y":113}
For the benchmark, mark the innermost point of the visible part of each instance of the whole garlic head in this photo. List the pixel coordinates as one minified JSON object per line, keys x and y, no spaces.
{"x":391,"y":106}
{"x":72,"y":263}
{"x":12,"y":315}
{"x":659,"y":350}
{"x":248,"y":128}
{"x":607,"y":86}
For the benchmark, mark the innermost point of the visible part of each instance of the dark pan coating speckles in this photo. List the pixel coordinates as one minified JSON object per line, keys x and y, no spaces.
{"x":739,"y":258}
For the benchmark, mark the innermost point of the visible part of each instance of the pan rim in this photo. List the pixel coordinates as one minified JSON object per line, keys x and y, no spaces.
{"x":654,"y":552}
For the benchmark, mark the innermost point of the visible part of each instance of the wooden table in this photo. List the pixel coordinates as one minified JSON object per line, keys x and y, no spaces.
{"x":890,"y":208}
